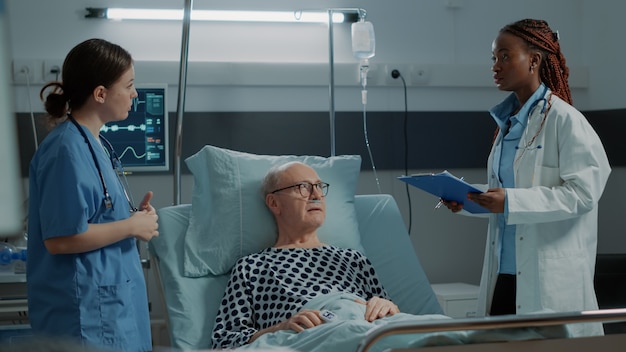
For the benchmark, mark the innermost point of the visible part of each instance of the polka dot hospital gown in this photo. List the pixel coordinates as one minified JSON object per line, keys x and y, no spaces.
{"x":268,"y":287}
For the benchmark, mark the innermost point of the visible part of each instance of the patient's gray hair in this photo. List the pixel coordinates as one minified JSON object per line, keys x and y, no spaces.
{"x":273,"y":177}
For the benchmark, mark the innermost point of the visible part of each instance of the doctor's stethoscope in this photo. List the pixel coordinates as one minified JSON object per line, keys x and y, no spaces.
{"x":526,"y":144}
{"x":115,"y":163}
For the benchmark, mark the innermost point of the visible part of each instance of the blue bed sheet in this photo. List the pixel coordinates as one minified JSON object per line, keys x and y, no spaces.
{"x":348,"y":328}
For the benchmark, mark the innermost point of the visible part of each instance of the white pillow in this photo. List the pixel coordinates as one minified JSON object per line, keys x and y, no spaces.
{"x":229,"y":218}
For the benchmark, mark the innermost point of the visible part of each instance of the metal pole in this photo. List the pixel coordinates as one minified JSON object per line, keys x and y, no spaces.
{"x":331,"y":85}
{"x":180,"y":107}
{"x":493,"y":322}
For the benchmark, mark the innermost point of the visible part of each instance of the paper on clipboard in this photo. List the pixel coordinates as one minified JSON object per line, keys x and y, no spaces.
{"x":446,"y":186}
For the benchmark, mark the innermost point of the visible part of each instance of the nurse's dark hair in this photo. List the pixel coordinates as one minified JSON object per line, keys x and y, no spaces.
{"x":552,"y":70}
{"x":88,"y":65}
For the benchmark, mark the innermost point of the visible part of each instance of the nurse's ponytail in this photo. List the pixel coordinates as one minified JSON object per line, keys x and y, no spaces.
{"x":55,"y":102}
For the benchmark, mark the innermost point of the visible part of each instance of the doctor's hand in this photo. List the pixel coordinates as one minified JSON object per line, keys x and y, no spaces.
{"x":492,"y":200}
{"x":454,"y":206}
{"x":145,"y":203}
{"x":377,"y":308}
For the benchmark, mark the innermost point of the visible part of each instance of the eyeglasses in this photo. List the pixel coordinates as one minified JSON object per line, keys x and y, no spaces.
{"x":306,"y":188}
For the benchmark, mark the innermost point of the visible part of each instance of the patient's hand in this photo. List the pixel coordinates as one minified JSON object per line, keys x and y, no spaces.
{"x":304,"y":319}
{"x":377,"y":308}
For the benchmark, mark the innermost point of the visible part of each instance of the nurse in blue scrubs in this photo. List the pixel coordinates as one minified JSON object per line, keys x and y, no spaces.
{"x":84,"y":275}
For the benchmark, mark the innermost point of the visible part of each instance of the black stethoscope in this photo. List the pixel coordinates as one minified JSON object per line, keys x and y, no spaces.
{"x":115,"y":163}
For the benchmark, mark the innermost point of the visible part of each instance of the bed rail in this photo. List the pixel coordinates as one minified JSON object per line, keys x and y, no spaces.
{"x":496,"y":322}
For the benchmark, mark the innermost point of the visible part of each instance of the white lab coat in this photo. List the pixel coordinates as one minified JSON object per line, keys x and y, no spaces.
{"x":554,"y":206}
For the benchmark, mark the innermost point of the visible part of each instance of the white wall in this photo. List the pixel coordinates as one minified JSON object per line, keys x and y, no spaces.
{"x":452,"y":44}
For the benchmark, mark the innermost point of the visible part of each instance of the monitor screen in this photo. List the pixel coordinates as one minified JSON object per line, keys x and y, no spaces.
{"x":141,"y":141}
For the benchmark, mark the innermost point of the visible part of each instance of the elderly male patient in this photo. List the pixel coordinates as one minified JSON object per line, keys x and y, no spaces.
{"x":267,"y":291}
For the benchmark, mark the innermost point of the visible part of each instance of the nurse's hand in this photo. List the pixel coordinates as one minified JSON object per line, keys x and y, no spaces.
{"x":492,"y":200}
{"x":145,"y":224}
{"x":145,"y":203}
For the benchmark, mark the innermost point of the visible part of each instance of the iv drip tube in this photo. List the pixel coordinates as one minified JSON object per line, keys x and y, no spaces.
{"x":364,"y":68}
{"x":363,"y":48}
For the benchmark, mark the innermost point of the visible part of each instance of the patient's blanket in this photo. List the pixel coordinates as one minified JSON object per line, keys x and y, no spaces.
{"x":348,"y":328}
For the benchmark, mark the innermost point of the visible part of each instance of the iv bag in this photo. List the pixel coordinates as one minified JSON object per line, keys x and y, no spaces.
{"x":363,"y":41}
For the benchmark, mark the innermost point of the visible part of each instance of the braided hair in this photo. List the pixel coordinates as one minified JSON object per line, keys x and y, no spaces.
{"x":553,"y":70}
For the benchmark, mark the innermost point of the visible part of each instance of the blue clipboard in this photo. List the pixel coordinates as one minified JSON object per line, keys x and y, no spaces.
{"x":446,"y":186}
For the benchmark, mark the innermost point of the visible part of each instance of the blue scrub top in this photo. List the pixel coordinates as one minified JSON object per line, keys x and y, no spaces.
{"x":98,"y":297}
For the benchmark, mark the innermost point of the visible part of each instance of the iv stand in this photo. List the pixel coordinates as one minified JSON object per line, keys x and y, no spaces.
{"x":331,"y":60}
{"x":331,"y":84}
{"x":182,"y":85}
{"x":182,"y":89}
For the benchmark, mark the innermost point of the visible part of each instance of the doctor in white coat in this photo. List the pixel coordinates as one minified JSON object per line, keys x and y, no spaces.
{"x":546,"y":173}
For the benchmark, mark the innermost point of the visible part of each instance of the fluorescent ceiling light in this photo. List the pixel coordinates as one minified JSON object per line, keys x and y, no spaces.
{"x":215,"y":15}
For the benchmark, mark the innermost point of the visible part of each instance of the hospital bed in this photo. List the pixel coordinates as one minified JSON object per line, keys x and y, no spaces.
{"x":226,"y":219}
